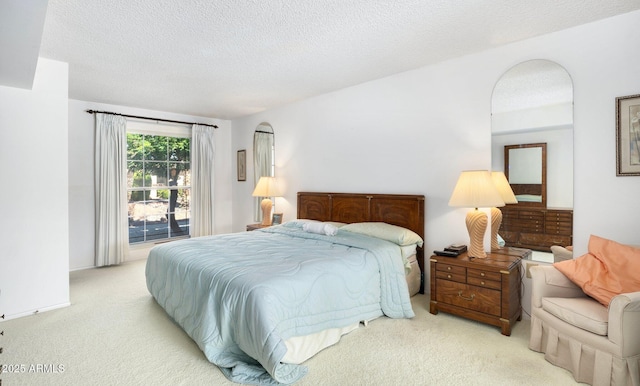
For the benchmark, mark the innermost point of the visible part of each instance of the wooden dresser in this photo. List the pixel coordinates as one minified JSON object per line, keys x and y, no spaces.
{"x":536,"y":228}
{"x":486,"y":290}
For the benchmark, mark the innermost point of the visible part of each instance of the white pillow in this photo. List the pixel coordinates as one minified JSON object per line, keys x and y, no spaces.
{"x":297,"y":223}
{"x":320,"y":228}
{"x":381,"y":230}
{"x":330,"y":229}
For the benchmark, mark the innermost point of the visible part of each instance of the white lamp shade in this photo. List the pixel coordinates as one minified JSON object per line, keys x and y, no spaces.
{"x":475,"y":189}
{"x":501,"y":183}
{"x":267,"y":187}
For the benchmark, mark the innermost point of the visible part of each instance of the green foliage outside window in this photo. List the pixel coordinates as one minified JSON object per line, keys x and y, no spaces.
{"x":154,"y":155}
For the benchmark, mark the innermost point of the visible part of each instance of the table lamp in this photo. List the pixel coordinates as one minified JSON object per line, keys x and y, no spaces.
{"x":475,"y":189}
{"x":501,"y":183}
{"x":267,"y":187}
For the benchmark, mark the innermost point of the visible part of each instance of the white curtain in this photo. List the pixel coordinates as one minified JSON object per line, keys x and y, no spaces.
{"x":112,"y":233}
{"x":262,"y":164}
{"x":202,"y":152}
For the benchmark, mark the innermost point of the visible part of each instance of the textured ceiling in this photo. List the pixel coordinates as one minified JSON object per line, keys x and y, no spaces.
{"x":229,"y":58}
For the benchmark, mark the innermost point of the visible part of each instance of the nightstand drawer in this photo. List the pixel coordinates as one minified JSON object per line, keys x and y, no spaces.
{"x":484,"y":278}
{"x":485,"y":275}
{"x":451,"y":276}
{"x":480,"y":282}
{"x":469,"y":297}
{"x":444,"y":267}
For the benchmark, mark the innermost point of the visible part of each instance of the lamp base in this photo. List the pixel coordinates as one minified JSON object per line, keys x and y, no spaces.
{"x":266,"y":206}
{"x":476,"y":226}
{"x":496,"y":220}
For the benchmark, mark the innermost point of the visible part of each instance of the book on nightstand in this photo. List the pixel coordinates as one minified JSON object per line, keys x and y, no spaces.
{"x":453,"y":250}
{"x":458,"y":248}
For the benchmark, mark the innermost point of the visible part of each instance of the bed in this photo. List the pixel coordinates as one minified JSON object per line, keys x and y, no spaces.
{"x":260,"y":303}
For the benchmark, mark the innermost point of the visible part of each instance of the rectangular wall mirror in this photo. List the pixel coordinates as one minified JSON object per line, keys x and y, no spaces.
{"x":525,"y":166}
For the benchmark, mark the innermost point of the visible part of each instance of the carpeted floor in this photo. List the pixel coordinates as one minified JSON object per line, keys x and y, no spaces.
{"x":115,"y":334}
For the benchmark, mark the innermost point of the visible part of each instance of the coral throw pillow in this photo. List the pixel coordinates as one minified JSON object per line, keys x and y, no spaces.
{"x":607,"y":270}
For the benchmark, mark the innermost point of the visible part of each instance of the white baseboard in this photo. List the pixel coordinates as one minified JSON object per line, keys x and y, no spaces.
{"x":37,"y":311}
{"x":82,"y":268}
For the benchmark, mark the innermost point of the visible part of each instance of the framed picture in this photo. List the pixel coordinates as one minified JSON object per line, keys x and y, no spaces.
{"x":242,"y":165}
{"x":277,"y":219}
{"x":628,"y":135}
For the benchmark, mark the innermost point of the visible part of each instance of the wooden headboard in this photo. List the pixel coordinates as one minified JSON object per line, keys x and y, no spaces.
{"x":403,"y":210}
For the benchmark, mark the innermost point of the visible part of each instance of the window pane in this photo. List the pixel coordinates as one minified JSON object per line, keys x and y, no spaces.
{"x":177,"y":174}
{"x":138,"y":197}
{"x":155,"y":148}
{"x":183,"y":199}
{"x":135,"y":146}
{"x":157,"y":173}
{"x":186,"y":174}
{"x":179,"y":224}
{"x":174,"y":174}
{"x":179,"y":149}
{"x":135,"y":170}
{"x":156,"y":229}
{"x":136,"y":230}
{"x":160,"y":194}
{"x":156,"y":210}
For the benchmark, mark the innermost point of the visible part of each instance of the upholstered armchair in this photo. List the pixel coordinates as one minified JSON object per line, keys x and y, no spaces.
{"x":598,"y":345}
{"x":561,"y":253}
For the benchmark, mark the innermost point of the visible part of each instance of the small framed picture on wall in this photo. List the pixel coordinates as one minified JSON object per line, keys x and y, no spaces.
{"x":628,"y":135}
{"x":277,"y":219}
{"x":242,"y":165}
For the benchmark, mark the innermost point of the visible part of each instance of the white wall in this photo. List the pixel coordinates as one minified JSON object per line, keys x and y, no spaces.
{"x":81,"y":177}
{"x":546,"y":117}
{"x":34,"y":263}
{"x":414,"y":132}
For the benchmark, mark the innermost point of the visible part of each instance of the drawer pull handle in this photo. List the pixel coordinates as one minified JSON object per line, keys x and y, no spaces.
{"x":448,"y":276}
{"x":482,"y":274}
{"x":448,"y":268}
{"x":466,"y":298}
{"x":482,"y":282}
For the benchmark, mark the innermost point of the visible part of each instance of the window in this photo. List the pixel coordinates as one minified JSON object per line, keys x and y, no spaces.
{"x":158,"y":185}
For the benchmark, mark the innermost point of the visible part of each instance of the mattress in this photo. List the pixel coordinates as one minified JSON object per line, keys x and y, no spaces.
{"x":414,"y":277}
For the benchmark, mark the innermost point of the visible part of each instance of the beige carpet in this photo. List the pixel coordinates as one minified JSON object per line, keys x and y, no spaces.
{"x":115,"y":334}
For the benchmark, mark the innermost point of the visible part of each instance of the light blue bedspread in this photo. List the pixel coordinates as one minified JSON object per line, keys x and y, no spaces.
{"x":240,"y":295}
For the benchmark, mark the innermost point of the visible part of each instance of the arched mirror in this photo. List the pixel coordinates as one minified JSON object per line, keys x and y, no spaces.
{"x":263,"y":159}
{"x":532,"y":142}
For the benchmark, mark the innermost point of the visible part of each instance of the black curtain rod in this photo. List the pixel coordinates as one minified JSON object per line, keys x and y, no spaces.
{"x":260,"y":131}
{"x":151,"y":119}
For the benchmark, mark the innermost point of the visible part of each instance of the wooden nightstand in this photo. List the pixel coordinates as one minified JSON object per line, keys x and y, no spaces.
{"x":486,"y":290}
{"x":253,"y":227}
